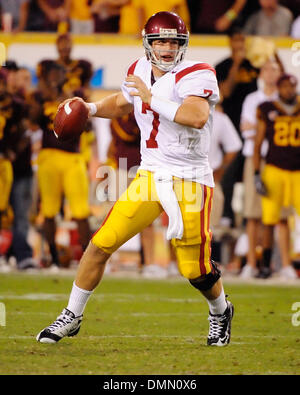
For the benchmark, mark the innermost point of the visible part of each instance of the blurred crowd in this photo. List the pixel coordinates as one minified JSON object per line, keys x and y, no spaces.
{"x":256,"y":17}
{"x":43,"y":179}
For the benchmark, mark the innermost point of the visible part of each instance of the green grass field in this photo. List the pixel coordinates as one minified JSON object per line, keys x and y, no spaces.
{"x":136,"y":326}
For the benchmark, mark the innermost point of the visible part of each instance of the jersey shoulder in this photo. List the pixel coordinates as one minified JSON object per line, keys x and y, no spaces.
{"x":138,"y":65}
{"x":266,"y":106}
{"x":264,"y":109}
{"x":186,"y":64}
{"x":189,"y":68}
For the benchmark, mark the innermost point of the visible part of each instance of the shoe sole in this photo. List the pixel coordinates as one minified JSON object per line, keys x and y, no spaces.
{"x":45,"y":340}
{"x":52,"y":341}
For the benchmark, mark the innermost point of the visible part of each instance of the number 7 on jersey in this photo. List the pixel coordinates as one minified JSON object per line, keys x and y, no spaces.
{"x":151,"y":142}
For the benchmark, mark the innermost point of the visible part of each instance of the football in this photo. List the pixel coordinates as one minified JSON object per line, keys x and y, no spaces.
{"x":70,"y":120}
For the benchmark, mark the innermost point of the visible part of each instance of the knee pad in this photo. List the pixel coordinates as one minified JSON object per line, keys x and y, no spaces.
{"x":188,"y":258}
{"x":106,"y":239}
{"x":206,"y":282}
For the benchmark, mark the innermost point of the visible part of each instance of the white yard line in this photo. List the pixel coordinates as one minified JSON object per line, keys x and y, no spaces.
{"x":119,"y":297}
{"x":114,"y":297}
{"x":179,"y":338}
{"x":134,"y":276}
{"x":143,"y":314}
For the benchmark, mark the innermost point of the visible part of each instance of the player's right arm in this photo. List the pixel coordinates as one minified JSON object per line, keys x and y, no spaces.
{"x":112,"y":106}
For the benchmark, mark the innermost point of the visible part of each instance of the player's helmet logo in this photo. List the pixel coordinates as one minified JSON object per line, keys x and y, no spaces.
{"x":165,"y":25}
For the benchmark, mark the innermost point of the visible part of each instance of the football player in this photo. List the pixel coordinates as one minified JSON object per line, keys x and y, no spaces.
{"x":6,"y":171}
{"x":78,"y":72}
{"x":12,"y":114}
{"x":269,"y":74}
{"x":173,"y":102}
{"x":61,"y":167}
{"x":15,"y":170}
{"x":279,"y":183}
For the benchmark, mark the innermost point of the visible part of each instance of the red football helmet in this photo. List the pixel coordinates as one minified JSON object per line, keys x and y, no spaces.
{"x":165,"y":25}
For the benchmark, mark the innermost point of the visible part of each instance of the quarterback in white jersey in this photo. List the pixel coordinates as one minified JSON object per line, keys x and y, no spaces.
{"x":180,"y":149}
{"x":173,"y":103}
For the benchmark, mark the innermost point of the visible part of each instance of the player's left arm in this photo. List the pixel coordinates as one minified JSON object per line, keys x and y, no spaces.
{"x":192,"y":112}
{"x":259,"y":138}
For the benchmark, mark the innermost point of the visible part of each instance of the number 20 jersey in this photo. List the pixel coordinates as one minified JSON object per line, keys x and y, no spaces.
{"x":165,"y":145}
{"x":282,"y":134}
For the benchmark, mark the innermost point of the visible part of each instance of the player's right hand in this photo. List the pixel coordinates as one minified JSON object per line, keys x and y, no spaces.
{"x":74,"y":98}
{"x":259,"y":185}
{"x":133,"y":81}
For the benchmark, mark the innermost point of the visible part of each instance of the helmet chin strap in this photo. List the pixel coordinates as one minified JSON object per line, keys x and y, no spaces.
{"x":166,"y":66}
{"x":161,"y":64}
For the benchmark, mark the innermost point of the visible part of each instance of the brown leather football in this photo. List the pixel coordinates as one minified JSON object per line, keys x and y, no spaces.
{"x":70,"y":120}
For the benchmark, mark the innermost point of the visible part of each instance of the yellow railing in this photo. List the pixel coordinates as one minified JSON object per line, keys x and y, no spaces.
{"x":118,"y":39}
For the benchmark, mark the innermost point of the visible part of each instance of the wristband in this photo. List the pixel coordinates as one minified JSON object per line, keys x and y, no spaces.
{"x":93,"y":108}
{"x":164,"y":107}
{"x":231,"y":15}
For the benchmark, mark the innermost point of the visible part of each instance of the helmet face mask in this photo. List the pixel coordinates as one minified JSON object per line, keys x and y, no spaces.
{"x":165,"y":26}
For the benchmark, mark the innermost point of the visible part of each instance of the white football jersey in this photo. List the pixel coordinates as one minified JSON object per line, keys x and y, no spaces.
{"x":165,"y":145}
{"x":248,"y":114}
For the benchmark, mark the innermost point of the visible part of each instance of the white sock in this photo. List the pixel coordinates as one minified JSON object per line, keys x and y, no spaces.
{"x":78,"y":300}
{"x":219,"y":305}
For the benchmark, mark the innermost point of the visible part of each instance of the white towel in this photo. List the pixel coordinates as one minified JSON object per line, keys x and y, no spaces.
{"x":169,"y":202}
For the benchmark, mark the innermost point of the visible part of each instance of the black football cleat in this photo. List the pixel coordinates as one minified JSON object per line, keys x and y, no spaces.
{"x":220,"y":327}
{"x":66,"y":324}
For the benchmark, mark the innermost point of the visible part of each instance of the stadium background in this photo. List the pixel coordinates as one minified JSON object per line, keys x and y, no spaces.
{"x":266,"y":343}
{"x":110,"y":55}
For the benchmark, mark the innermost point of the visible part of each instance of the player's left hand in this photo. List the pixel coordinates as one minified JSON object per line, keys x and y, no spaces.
{"x":142,"y":91}
{"x":259,"y":185}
